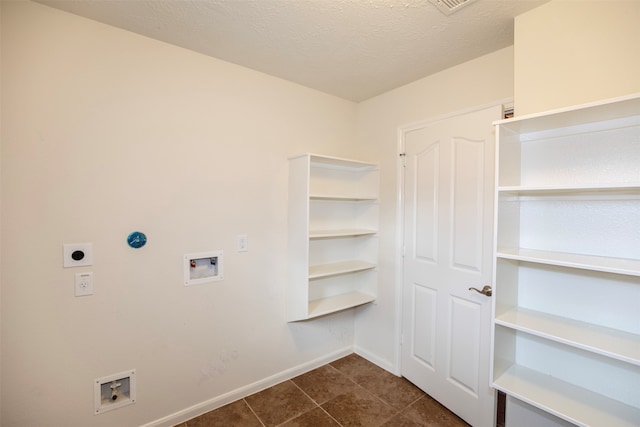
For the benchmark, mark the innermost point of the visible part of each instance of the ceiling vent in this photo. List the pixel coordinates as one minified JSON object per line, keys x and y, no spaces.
{"x":449,"y":6}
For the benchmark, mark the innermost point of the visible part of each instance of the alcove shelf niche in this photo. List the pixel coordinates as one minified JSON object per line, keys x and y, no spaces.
{"x":333,"y":242}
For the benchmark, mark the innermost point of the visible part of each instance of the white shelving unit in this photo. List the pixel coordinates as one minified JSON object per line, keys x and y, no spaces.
{"x":567,"y":262}
{"x":333,"y":225}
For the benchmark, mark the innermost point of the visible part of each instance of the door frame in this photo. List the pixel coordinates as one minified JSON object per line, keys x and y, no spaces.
{"x":400,"y":149}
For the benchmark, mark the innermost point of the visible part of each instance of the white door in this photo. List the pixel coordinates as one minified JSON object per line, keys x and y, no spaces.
{"x":448,"y":240}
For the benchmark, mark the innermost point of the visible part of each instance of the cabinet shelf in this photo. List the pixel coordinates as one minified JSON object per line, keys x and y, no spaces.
{"x":342,"y":198}
{"x":586,"y":118}
{"x":330,"y":162}
{"x":336,"y":268}
{"x":566,"y":335}
{"x":352,"y":232}
{"x":629,"y":267}
{"x":609,"y":342}
{"x":567,"y":401}
{"x":623,"y":189}
{"x":323,"y":306}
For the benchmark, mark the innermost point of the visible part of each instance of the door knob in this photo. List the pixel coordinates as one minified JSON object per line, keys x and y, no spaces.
{"x":485,"y":291}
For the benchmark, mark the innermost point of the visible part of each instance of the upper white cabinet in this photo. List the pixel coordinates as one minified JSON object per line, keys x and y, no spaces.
{"x":333,"y":225}
{"x":567,"y":262}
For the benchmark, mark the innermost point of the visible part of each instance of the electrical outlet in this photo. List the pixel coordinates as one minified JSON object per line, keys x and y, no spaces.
{"x":84,"y":284}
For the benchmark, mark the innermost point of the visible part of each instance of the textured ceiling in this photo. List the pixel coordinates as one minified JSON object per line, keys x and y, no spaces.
{"x":354,"y":49}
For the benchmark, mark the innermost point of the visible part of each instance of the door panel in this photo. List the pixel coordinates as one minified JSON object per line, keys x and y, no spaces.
{"x":448,"y":229}
{"x":465,"y":344}
{"x":426,"y":218}
{"x":467,"y":209}
{"x":424,"y":311}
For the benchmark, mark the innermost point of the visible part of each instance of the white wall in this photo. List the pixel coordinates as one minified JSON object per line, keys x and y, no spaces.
{"x":571,"y":65}
{"x":571,"y":52}
{"x":105,"y":132}
{"x":474,"y":83}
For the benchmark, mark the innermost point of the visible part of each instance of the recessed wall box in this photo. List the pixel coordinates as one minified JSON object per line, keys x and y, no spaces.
{"x":77,"y":254}
{"x":203,"y":267}
{"x":114,"y":391}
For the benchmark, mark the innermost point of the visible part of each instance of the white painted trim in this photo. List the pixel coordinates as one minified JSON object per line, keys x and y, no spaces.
{"x":578,"y":107}
{"x":384,"y":364}
{"x":397,"y":369}
{"x":402,"y":130}
{"x":242,"y":392}
{"x":420,"y":123}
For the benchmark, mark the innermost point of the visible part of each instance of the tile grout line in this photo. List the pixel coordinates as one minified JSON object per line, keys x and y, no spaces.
{"x":357,"y":384}
{"x":397,"y":411}
{"x":361,"y":380}
{"x":301,"y":413}
{"x":331,"y":416}
{"x":253,"y":412}
{"x":423,"y":396}
{"x":380,"y":399}
{"x":316,"y":403}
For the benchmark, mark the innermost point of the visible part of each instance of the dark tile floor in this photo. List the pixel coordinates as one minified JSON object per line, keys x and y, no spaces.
{"x":348,"y":392}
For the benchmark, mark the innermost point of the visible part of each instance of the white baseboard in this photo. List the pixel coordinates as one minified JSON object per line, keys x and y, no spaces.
{"x":384,"y":364}
{"x":242,"y":392}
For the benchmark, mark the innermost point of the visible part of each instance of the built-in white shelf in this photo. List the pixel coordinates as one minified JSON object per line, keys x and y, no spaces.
{"x":585,"y":118}
{"x":342,"y":198}
{"x":323,"y":234}
{"x":566,"y":333}
{"x":609,"y":342}
{"x":319,"y":160}
{"x":602,"y":189}
{"x":339,"y":302}
{"x":333,"y":221}
{"x":585,"y":262}
{"x":336,"y":268}
{"x":575,"y":404}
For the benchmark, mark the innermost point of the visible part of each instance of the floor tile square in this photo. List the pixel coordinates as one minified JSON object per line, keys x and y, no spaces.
{"x":314,"y":418}
{"x":357,"y":368}
{"x":279,"y":403}
{"x":359,"y":408}
{"x":236,"y":414}
{"x":400,"y":420}
{"x":428,"y":412}
{"x":324,"y":383}
{"x":396,"y":391}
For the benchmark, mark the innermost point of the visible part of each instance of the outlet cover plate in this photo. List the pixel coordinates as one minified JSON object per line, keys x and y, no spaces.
{"x":77,"y":254}
{"x":84,"y":284}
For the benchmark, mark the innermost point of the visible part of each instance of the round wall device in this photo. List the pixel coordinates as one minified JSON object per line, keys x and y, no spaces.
{"x":136,"y":239}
